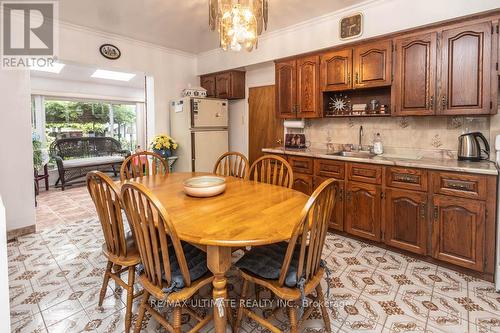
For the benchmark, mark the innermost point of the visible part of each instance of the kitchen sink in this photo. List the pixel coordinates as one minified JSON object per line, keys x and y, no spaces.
{"x":359,"y":153}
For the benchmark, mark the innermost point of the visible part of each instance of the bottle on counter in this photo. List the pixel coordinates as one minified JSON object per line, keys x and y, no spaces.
{"x":378,"y":147}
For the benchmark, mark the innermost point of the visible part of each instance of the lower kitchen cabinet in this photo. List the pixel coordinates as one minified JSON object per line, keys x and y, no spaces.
{"x":363,"y":207}
{"x":458,"y":235}
{"x":406,"y":220}
{"x":337,"y":217}
{"x":303,"y":183}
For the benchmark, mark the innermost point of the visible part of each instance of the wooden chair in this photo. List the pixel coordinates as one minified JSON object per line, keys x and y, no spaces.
{"x":119,"y":246}
{"x":232,"y":164}
{"x":169,"y":268}
{"x":301,"y":270}
{"x":272,"y":169}
{"x":142,"y":164}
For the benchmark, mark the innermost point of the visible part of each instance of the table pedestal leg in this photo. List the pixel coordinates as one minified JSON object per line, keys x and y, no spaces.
{"x":219,"y":262}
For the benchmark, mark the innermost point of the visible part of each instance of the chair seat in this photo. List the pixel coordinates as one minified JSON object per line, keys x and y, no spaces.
{"x":132,"y":258}
{"x":90,"y":161}
{"x":266,"y":261}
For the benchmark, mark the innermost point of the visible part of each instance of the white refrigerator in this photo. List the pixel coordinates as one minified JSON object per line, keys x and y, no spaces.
{"x":200,"y":126}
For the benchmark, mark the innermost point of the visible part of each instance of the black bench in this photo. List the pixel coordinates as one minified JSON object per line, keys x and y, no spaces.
{"x":75,"y":157}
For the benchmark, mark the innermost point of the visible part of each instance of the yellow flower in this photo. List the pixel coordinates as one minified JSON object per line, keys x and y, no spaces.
{"x":174,"y":146}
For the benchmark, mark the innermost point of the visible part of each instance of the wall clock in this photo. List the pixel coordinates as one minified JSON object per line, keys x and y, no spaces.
{"x":351,"y":26}
{"x":110,"y":51}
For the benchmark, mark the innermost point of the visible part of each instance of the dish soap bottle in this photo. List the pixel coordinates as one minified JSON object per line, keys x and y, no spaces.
{"x":378,"y":147}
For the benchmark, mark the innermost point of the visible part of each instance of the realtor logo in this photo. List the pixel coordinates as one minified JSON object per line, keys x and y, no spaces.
{"x":28,"y":33}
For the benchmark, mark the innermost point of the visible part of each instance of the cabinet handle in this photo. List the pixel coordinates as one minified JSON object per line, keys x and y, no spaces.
{"x":349,"y":195}
{"x":348,"y":78}
{"x":444,"y":102}
{"x":357,"y":77}
{"x":422,"y":210}
{"x":436,"y":212}
{"x":431,"y":103}
{"x":341,"y":194}
{"x":298,"y":108}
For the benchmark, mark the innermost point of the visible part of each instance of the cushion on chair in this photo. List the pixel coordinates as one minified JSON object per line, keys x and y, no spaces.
{"x":89,"y":161}
{"x":266,"y":262}
{"x":196,"y":261}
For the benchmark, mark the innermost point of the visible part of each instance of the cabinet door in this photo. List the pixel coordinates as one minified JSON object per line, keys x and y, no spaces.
{"x":336,"y":70}
{"x":223,"y":85}
{"x":286,"y":89}
{"x":308,"y":87}
{"x":466,"y":70}
{"x":208,"y":82}
{"x":406,"y":220}
{"x":415,"y":75}
{"x":458,"y":231}
{"x":303,"y":183}
{"x":372,"y":65}
{"x":363,"y":206}
{"x":337,"y":217}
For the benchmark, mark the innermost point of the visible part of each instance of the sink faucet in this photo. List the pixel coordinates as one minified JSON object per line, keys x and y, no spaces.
{"x":360,"y":147}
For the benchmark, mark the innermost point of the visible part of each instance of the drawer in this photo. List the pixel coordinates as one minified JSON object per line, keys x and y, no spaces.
{"x":411,"y":179}
{"x":329,"y":169}
{"x":365,"y":173}
{"x":460,"y":185}
{"x":301,"y":164}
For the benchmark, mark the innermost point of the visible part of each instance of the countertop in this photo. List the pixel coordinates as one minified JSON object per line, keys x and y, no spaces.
{"x":483,"y":167}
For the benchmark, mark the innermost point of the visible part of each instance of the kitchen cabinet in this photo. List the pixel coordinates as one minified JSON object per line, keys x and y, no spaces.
{"x":458,"y":231}
{"x":406,"y":220}
{"x":336,"y":70}
{"x":373,"y":64}
{"x":363,"y":210}
{"x":297,"y":88}
{"x":286,"y":88}
{"x":337,"y":217}
{"x":414,"y":87}
{"x":303,"y":183}
{"x":226,"y":85}
{"x":466,"y":70}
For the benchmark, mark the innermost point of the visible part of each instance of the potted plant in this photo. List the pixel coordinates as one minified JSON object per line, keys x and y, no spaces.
{"x":163,"y":145}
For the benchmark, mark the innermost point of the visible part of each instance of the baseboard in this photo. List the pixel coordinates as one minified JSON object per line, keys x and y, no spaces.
{"x":15,"y":233}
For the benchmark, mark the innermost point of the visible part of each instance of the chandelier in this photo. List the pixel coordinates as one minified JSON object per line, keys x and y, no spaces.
{"x":238,"y":22}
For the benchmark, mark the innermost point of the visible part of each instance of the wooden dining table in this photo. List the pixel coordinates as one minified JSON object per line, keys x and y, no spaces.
{"x":248,"y":213}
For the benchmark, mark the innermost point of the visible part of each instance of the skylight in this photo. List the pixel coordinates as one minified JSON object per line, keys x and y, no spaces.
{"x":112,"y":75}
{"x":55,"y":68}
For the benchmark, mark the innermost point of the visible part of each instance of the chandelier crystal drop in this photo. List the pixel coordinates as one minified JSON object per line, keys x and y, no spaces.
{"x":239,"y":23}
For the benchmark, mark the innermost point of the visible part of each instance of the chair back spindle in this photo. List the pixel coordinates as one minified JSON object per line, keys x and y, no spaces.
{"x":141,"y":164}
{"x":272,"y":169}
{"x":232,"y":164}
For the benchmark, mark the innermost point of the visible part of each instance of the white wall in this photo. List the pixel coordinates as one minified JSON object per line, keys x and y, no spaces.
{"x":66,"y":88}
{"x":4,"y":274}
{"x":16,"y":167}
{"x":256,"y":76}
{"x":380,"y":17}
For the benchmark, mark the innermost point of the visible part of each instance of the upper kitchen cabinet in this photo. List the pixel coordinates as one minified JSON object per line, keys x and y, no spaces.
{"x":336,"y":70}
{"x":373,"y":64}
{"x":227,"y":85}
{"x":466,"y":70}
{"x":414,"y":87}
{"x":297,"y":88}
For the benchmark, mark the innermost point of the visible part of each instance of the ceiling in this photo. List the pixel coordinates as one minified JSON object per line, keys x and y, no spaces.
{"x":72,"y":72}
{"x":180,"y":24}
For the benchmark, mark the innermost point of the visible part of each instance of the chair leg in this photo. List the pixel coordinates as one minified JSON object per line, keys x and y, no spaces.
{"x":142,"y":310}
{"x":107,"y":275}
{"x":117,"y":269}
{"x":130,"y":298}
{"x":177,"y":319}
{"x":324,"y":312}
{"x":239,"y":315}
{"x":293,"y":319}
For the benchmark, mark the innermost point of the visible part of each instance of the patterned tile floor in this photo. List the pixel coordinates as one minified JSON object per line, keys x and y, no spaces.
{"x":55,"y":276}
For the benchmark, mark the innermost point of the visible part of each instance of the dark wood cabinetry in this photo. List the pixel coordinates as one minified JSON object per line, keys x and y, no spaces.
{"x":336,"y":70}
{"x":406,"y":220}
{"x":414,"y":86}
{"x":458,"y":231}
{"x":227,"y":85}
{"x":373,"y":64}
{"x":337,"y":217}
{"x":303,"y":183}
{"x":363,"y":210}
{"x":297,"y":88}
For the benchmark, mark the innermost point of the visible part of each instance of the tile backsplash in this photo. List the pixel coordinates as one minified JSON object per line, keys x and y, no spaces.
{"x":428,"y":136}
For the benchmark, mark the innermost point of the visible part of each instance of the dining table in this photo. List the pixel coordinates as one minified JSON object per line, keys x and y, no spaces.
{"x":247,"y":213}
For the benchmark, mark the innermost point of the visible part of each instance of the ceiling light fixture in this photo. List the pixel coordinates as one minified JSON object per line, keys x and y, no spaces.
{"x":112,"y":75}
{"x":238,"y":22}
{"x":55,"y":67}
